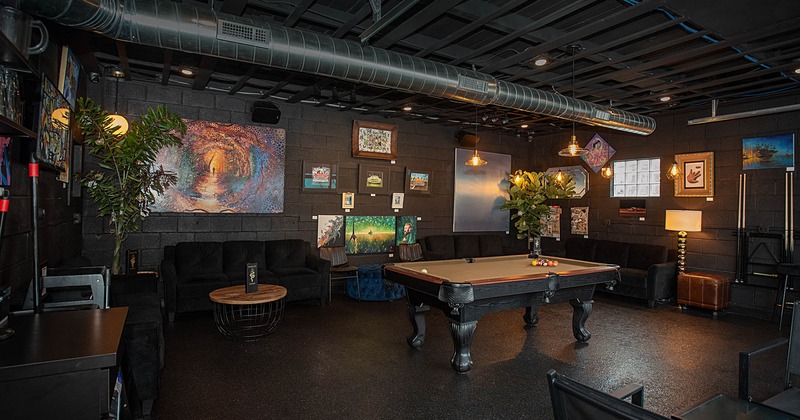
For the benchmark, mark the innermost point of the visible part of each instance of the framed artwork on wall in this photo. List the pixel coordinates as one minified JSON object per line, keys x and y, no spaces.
{"x":579,"y":175}
{"x":418,"y":181}
{"x":53,"y":143}
{"x":369,"y":234}
{"x":69,"y":75}
{"x":319,"y":177}
{"x":768,"y":152}
{"x":406,"y":230}
{"x":348,"y":200}
{"x":697,"y":175}
{"x":397,"y":200}
{"x":373,"y":179}
{"x":5,"y":161}
{"x":330,"y":230}
{"x":374,"y":140}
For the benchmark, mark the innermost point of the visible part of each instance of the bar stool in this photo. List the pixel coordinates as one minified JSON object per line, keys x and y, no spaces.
{"x":787,"y":270}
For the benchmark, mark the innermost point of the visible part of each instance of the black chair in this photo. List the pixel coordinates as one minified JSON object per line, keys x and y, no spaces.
{"x":340,"y":268}
{"x":789,"y":399}
{"x":575,"y":401}
{"x":410,"y":252}
{"x":787,"y":270}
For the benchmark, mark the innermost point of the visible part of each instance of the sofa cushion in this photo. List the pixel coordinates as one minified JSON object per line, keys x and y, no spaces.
{"x":491,"y":245}
{"x":441,"y":244}
{"x":633,"y":277}
{"x":285,"y":253}
{"x":264,"y":277}
{"x":192,"y":258}
{"x":467,"y":246}
{"x":642,"y":256}
{"x":237,"y":254}
{"x":203,"y":278}
{"x":581,"y":249}
{"x":611,"y":252}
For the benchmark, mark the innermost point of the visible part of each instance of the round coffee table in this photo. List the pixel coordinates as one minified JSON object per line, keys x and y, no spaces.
{"x":248,"y":316}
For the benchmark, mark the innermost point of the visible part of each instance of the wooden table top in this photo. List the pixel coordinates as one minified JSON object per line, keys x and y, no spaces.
{"x":236,"y":295}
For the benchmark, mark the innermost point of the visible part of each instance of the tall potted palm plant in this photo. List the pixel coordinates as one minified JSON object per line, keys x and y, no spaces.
{"x":527,"y":194}
{"x":127,"y":180}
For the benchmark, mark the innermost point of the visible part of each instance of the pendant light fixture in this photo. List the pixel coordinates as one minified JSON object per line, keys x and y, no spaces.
{"x":674,"y":171}
{"x":117,"y":120}
{"x":607,"y":172}
{"x":573,"y":150}
{"x":476,"y":160}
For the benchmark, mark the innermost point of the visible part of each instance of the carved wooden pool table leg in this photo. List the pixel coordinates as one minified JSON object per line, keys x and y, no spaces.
{"x":531,"y":316}
{"x":416,"y":314}
{"x":580,"y":312}
{"x":462,"y":333}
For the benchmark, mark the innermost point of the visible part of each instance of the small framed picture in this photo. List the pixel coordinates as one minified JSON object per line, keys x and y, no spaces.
{"x":132,"y":261}
{"x":373,"y":179}
{"x":374,"y":140}
{"x":418,"y":181}
{"x":319,"y":177}
{"x":397,"y":200}
{"x":697,"y":178}
{"x":348,"y":200}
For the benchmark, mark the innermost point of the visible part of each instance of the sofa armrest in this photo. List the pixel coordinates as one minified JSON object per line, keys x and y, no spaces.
{"x":432,"y":256}
{"x":661,"y":281}
{"x":744,"y":364}
{"x":321,"y":266}
{"x":170,"y":277}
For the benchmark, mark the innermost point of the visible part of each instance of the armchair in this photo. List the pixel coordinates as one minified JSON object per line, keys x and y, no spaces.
{"x":575,"y":401}
{"x":789,"y":399}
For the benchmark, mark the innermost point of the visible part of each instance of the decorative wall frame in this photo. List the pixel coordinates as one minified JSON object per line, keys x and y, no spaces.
{"x":53,"y":143}
{"x":5,"y":161}
{"x":132,"y":261}
{"x":580,"y":176}
{"x":348,"y":200}
{"x":319,"y":177}
{"x":374,"y":140}
{"x":697,"y":175}
{"x":397,"y":200}
{"x":69,"y":75}
{"x":768,"y":152}
{"x":330,"y":230}
{"x":418,"y":181}
{"x":373,"y":179}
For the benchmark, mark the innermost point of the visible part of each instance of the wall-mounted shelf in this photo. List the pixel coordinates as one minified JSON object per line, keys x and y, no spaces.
{"x":13,"y":59}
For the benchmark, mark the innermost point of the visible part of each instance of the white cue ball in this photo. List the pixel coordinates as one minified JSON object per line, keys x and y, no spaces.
{"x":424,"y":270}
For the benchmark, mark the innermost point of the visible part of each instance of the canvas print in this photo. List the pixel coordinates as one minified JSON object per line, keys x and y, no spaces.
{"x":225,"y":168}
{"x":418,"y":182}
{"x":479,"y":193}
{"x":579,"y":222}
{"x":369,"y":234}
{"x":551,"y":223}
{"x":69,"y":75}
{"x":53,"y":144}
{"x":5,"y":161}
{"x":600,"y":152}
{"x":406,"y":230}
{"x":768,"y":152}
{"x":319,"y":177}
{"x":373,"y":179}
{"x":330,"y":230}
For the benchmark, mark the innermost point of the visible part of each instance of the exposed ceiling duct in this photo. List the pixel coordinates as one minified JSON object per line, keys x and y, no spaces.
{"x":186,"y":28}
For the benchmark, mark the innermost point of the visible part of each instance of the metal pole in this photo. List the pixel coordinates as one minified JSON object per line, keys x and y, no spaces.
{"x":3,"y":210}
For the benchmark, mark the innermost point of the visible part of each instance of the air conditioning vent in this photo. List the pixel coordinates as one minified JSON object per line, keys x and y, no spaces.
{"x":602,"y":115}
{"x":244,"y":34}
{"x":472,"y":84}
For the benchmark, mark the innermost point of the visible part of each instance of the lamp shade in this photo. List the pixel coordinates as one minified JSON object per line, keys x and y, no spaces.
{"x":684,"y":220}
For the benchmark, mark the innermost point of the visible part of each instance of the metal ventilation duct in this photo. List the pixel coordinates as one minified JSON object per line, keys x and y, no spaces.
{"x":166,"y":24}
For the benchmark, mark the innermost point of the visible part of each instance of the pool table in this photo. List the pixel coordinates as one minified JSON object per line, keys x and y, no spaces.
{"x":465,"y":289}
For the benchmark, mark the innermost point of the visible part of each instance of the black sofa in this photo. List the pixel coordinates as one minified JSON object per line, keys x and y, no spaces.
{"x":191,"y":270}
{"x":647,"y":271}
{"x":447,"y":247}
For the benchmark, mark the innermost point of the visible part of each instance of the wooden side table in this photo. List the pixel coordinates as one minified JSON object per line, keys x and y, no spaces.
{"x":248,"y":316}
{"x":704,"y":290}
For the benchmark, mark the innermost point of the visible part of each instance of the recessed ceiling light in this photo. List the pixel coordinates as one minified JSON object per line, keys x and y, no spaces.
{"x":664,"y":98}
{"x":797,"y":70}
{"x":540,"y":61}
{"x":407,"y":108}
{"x":524,"y":126}
{"x":117,"y":72}
{"x":187,"y":71}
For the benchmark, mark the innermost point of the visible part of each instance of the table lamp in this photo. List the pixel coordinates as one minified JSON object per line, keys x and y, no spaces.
{"x":683,"y":221}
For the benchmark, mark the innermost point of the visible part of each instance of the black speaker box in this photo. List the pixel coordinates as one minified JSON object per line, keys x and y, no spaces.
{"x":266,"y":113}
{"x":467,"y":139}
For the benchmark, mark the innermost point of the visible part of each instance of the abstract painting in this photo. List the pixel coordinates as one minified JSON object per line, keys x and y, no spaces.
{"x":374,"y":140}
{"x":406,"y":230}
{"x":330,"y":230}
{"x":551,"y":223}
{"x":600,"y":152}
{"x":369,"y":234}
{"x":69,"y":75}
{"x":225,"y":168}
{"x":579,"y":222}
{"x":53,"y":144}
{"x":479,"y":193}
{"x":768,"y":152}
{"x":5,"y":162}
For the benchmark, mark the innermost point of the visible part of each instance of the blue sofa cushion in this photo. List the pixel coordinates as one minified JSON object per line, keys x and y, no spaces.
{"x":441,"y":244}
{"x":642,"y":256}
{"x":467,"y":246}
{"x":581,"y":249}
{"x":611,"y":252}
{"x":198,"y":258}
{"x":285,"y":253}
{"x":491,"y":245}
{"x":373,"y":286}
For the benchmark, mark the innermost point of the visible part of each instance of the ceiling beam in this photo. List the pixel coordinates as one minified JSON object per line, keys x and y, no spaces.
{"x":414,"y":23}
{"x":298,"y":11}
{"x":251,"y":71}
{"x":312,"y":90}
{"x":122,"y":53}
{"x":207,"y":64}
{"x":166,"y":71}
{"x":387,"y":19}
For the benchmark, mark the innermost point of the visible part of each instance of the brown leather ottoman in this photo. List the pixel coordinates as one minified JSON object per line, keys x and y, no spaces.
{"x":704,"y":290}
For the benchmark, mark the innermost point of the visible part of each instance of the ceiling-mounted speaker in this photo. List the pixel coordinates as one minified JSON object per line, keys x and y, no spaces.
{"x":467,"y":139}
{"x":266,"y":113}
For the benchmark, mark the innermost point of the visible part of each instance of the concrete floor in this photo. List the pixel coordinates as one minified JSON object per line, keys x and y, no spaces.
{"x":350,"y":360}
